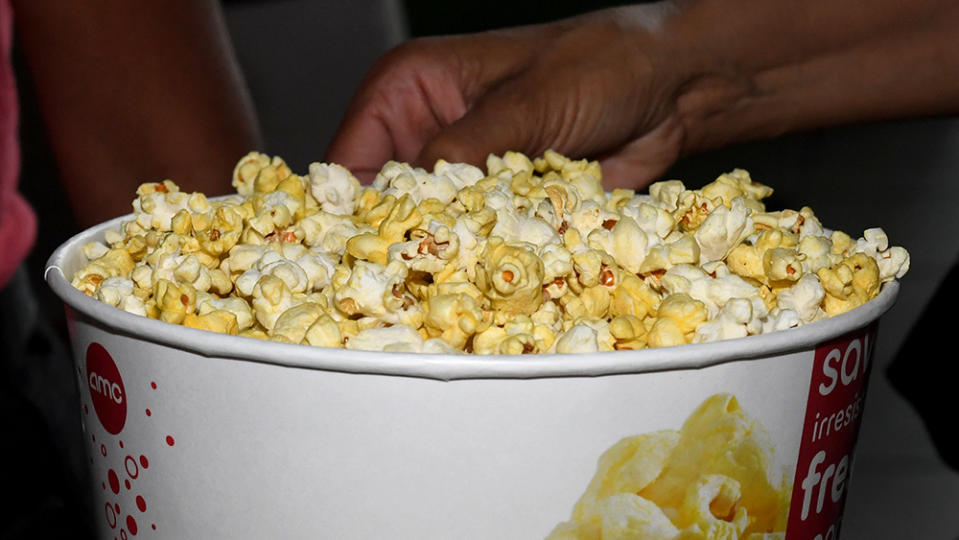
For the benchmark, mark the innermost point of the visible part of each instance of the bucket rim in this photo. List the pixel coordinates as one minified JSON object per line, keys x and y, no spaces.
{"x":445,"y":366}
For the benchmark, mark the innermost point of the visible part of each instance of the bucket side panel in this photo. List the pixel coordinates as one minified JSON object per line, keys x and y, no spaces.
{"x":219,"y":448}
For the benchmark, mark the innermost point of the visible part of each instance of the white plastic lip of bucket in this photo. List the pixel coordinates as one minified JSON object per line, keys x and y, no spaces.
{"x":68,"y":258}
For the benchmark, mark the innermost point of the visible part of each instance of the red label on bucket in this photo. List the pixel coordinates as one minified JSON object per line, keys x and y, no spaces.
{"x":837,"y":393}
{"x":106,"y":389}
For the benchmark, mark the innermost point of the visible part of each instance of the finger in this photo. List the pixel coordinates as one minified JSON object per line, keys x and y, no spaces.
{"x":401,"y":103}
{"x":362,"y":144}
{"x":645,"y":159}
{"x":507,"y":118}
{"x":392,"y":119}
{"x":414,"y":91}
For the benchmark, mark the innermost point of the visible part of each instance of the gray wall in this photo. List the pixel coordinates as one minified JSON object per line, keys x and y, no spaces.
{"x":303,"y":59}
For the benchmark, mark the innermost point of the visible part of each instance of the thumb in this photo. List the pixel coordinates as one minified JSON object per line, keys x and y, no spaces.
{"x":643,"y":160}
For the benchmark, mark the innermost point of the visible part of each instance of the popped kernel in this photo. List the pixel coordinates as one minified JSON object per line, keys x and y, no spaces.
{"x":511,"y":276}
{"x":218,"y":320}
{"x":293,"y":324}
{"x":334,"y":188}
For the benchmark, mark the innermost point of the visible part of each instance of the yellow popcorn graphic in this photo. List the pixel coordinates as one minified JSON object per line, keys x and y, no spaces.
{"x":710,"y":480}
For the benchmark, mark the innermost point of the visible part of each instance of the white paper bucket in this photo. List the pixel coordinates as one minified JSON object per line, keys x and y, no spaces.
{"x":193,"y":434}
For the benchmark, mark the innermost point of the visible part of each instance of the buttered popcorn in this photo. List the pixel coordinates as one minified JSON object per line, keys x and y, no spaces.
{"x":528,"y":256}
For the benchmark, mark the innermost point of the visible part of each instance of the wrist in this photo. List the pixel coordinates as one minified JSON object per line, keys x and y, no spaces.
{"x":688,"y":71}
{"x":713,"y":67}
{"x":751,"y":69}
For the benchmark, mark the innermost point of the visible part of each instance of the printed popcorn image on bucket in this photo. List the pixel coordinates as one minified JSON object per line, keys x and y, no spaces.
{"x":711,"y":479}
{"x":717,"y":477}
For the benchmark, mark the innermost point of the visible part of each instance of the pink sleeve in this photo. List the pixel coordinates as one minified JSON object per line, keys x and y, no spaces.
{"x":17,"y":220}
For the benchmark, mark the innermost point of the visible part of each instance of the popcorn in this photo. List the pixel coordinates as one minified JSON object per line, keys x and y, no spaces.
{"x":238,"y":307}
{"x":455,"y":318}
{"x":318,"y":268}
{"x":512,"y":277}
{"x":804,"y":222}
{"x":218,"y":320}
{"x":624,"y":240}
{"x":173,"y":301}
{"x":850,"y":283}
{"x":713,"y":289}
{"x":782,"y":264}
{"x":293,"y":324}
{"x":513,"y":226}
{"x":378,"y":291}
{"x":461,"y":175}
{"x":732,"y":322}
{"x":443,"y":184}
{"x":94,"y":250}
{"x":273,"y":212}
{"x":335,"y":189}
{"x":219,"y":231}
{"x":816,"y":253}
{"x":270,"y":298}
{"x":780,"y":319}
{"x":678,"y":317}
{"x":119,"y":292}
{"x":682,"y":250}
{"x":635,"y":297}
{"x":258,"y":172}
{"x":692,"y":209}
{"x":804,"y":298}
{"x":329,"y":232}
{"x":529,"y":256}
{"x":666,"y":194}
{"x":893,"y":261}
{"x":514,"y":162}
{"x":429,"y":250}
{"x":157,"y":204}
{"x":735,"y":184}
{"x":399,"y":338}
{"x":401,"y":217}
{"x":591,"y":216}
{"x":722,"y":230}
{"x":629,"y":332}
{"x":579,"y":339}
{"x":114,"y":263}
{"x":324,"y":332}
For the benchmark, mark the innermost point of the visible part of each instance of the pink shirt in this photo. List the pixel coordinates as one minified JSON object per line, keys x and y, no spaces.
{"x":18,"y":224}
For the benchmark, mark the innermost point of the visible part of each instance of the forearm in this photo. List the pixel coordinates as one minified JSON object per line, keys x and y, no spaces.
{"x":136,"y":92}
{"x":753,"y":69}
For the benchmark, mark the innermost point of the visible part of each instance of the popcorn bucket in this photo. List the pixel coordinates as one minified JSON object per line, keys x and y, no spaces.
{"x":193,"y":434}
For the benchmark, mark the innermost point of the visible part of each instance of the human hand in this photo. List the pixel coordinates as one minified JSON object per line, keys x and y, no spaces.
{"x":637,"y":87}
{"x":595,"y":86}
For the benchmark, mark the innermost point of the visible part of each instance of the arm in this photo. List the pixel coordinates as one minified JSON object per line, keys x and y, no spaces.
{"x":779,"y":67}
{"x":641,"y":86}
{"x":134,"y":92}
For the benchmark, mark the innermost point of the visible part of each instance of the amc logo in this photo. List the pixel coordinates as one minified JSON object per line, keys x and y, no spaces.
{"x":106,"y":389}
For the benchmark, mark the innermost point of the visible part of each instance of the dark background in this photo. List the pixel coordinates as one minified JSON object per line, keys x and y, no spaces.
{"x":903,"y":176}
